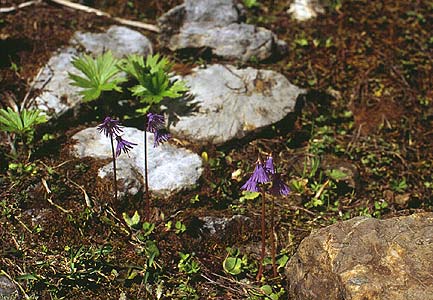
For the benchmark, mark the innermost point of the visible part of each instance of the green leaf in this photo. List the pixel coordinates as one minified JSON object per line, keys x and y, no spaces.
{"x":23,"y":123}
{"x":154,"y":81}
{"x":267,"y":289}
{"x":100,"y":74}
{"x":132,"y":222}
{"x":232,"y":265}
{"x":250,"y":195}
{"x":336,"y":174}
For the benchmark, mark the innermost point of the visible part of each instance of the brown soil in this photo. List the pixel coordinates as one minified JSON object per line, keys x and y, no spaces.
{"x":368,"y":67}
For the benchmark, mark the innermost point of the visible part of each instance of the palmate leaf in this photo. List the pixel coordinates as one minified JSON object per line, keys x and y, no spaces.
{"x":154,"y":81}
{"x":100,"y":74}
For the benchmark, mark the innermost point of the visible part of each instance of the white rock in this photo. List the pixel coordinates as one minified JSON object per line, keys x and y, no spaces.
{"x":170,"y":169}
{"x":216,"y":24}
{"x":303,"y":10}
{"x":58,"y":95}
{"x":234,"y":102}
{"x":119,"y":39}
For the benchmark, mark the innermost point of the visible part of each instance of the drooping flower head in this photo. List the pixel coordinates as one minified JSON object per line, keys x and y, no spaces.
{"x":110,"y":127}
{"x":269,"y":165}
{"x":278,"y":186}
{"x":250,"y":186}
{"x":260,"y":175}
{"x":160,"y":136}
{"x":123,"y":145}
{"x":154,"y":122}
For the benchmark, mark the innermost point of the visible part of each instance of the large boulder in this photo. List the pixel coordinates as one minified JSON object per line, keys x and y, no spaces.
{"x":170,"y":169}
{"x":216,"y":25}
{"x":365,"y":259}
{"x":230,"y":103}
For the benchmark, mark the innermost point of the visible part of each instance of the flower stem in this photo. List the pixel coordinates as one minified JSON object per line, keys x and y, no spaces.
{"x":114,"y":169}
{"x":273,"y":252}
{"x":146,"y":179}
{"x":262,"y":254}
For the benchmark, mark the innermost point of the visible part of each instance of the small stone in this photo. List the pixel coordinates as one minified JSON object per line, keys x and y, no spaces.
{"x":303,"y":10}
{"x":8,"y":290}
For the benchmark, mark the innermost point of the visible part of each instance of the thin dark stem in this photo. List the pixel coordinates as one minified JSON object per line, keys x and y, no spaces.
{"x":114,"y":169}
{"x":262,"y":254}
{"x":146,"y":179}
{"x":273,"y":252}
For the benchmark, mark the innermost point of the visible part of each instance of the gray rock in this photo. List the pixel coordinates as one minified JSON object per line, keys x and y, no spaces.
{"x":216,"y":25}
{"x":120,"y":40}
{"x":365,"y":258}
{"x":303,"y":10}
{"x":8,"y":290}
{"x":234,"y":102}
{"x":58,"y":96}
{"x":170,"y":169}
{"x":234,"y":41}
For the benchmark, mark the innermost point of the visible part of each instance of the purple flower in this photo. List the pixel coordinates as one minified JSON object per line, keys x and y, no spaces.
{"x":278,"y":186}
{"x":154,"y":122}
{"x":250,"y":186}
{"x":269,"y":165}
{"x":259,"y":174}
{"x":160,"y":136}
{"x":123,"y":145}
{"x":110,"y":127}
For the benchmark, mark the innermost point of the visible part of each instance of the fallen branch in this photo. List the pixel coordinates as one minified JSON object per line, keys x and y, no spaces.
{"x":98,"y":12}
{"x":19,"y":6}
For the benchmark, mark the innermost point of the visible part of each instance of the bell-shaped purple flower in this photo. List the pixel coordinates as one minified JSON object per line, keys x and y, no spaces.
{"x":154,"y":122}
{"x":278,"y":186}
{"x":259,"y":174}
{"x":110,"y":127}
{"x":160,"y":136}
{"x":269,"y":165}
{"x":250,"y":186}
{"x":123,"y":145}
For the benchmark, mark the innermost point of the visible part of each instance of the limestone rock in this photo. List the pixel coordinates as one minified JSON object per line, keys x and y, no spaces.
{"x":234,"y":102}
{"x":120,"y":40}
{"x":365,"y":258}
{"x":58,"y":95}
{"x":303,"y":10}
{"x":215,"y":24}
{"x":170,"y":169}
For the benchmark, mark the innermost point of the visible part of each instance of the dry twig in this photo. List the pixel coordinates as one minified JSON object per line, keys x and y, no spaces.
{"x":19,"y":6}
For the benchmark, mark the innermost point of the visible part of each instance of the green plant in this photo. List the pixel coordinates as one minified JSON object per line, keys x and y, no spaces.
{"x":180,"y":227}
{"x":132,"y":222}
{"x":154,"y":81}
{"x":399,"y":185}
{"x":251,"y":3}
{"x":188,"y":264}
{"x":21,"y":124}
{"x":101,"y":74}
{"x":233,"y":264}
